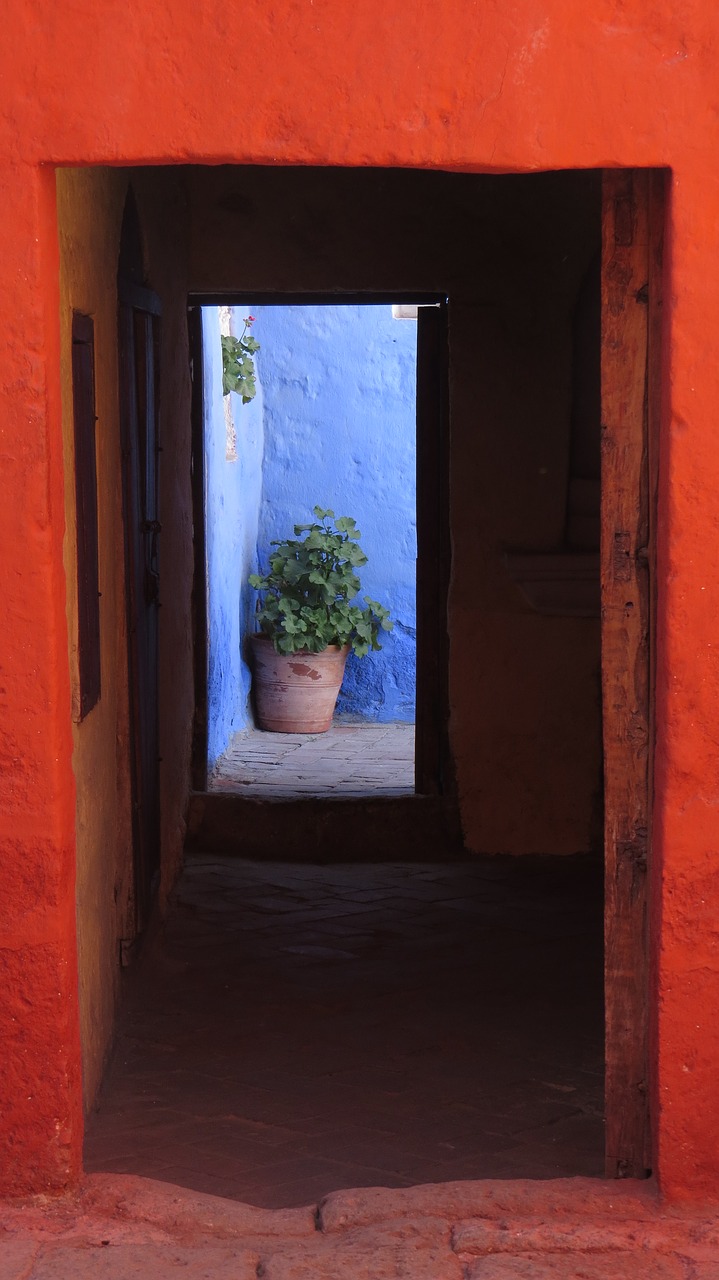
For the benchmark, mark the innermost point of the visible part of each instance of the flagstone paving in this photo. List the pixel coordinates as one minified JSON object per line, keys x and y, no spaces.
{"x":351,"y":759}
{"x":127,"y":1228}
{"x":299,"y":1029}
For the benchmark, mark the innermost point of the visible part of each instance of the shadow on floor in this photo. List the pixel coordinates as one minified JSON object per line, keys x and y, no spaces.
{"x":300,"y":1029}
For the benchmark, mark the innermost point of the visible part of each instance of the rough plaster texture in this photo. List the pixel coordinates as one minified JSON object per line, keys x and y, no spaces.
{"x":39,"y":1024}
{"x":126,"y":1228}
{"x":339,"y":386}
{"x":233,"y":492}
{"x":563,"y":87}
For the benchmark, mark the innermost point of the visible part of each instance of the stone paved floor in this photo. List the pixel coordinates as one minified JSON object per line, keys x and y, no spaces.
{"x":348,"y":760}
{"x":301,"y":1029}
{"x":118,"y":1227}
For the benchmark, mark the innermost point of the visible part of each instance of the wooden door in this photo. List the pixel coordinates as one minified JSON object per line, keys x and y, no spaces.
{"x":433,"y":552}
{"x":139,"y":312}
{"x":631,"y":308}
{"x":199,"y":543}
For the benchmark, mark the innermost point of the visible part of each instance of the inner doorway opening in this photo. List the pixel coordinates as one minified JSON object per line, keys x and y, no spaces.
{"x":330,"y":421}
{"x":347,"y":401}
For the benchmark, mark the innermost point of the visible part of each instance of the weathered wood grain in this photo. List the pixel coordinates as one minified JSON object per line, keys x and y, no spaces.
{"x":629,"y":282}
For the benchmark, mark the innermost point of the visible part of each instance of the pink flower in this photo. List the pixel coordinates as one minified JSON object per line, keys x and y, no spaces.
{"x":249,"y":320}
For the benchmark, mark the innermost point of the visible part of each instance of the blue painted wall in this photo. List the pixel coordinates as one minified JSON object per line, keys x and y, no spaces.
{"x":233,"y":491}
{"x":333,"y":424}
{"x":340,"y":430}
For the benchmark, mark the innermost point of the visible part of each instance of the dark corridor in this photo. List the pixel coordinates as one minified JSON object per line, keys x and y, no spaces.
{"x":298,"y":1029}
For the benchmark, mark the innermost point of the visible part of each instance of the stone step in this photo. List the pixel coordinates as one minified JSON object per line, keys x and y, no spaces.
{"x":343,"y":829}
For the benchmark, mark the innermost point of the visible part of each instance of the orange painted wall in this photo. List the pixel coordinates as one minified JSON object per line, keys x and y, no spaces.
{"x":40,"y":1063}
{"x":459,"y":86}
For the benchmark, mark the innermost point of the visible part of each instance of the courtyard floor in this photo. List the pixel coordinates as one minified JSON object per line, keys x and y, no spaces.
{"x":351,"y":759}
{"x":299,"y":1029}
{"x":379,"y":1071}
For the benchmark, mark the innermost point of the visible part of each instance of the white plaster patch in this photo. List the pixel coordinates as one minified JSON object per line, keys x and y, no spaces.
{"x":528,"y":54}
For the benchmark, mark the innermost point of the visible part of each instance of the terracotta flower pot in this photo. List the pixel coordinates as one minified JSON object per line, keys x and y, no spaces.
{"x":296,"y":692}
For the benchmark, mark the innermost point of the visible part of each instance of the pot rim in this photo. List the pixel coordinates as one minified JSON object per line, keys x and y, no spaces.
{"x":313,"y":653}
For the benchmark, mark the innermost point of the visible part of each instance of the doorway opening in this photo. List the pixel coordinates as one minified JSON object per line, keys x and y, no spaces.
{"x":296,"y":941}
{"x":347,"y":411}
{"x":332,"y":422}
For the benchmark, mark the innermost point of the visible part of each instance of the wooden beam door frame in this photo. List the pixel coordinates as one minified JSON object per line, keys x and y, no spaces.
{"x":432,"y":773}
{"x":198,"y":763}
{"x":632,"y":226}
{"x":432,"y":754}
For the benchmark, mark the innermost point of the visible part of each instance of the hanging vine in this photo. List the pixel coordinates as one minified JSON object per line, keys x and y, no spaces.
{"x":238,"y":366}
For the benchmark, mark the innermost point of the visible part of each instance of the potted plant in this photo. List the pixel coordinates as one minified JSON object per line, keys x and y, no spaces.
{"x":309,"y":619}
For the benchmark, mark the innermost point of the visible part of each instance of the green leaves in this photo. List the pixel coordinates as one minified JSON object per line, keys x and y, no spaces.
{"x":238,"y":367}
{"x":308,"y":594}
{"x":347,"y":525}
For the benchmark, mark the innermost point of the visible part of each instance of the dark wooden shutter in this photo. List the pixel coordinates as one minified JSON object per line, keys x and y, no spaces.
{"x":88,"y":596}
{"x":433,"y":553}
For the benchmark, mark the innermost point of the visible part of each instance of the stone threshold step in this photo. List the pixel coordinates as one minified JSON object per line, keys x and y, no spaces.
{"x":332,"y":829}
